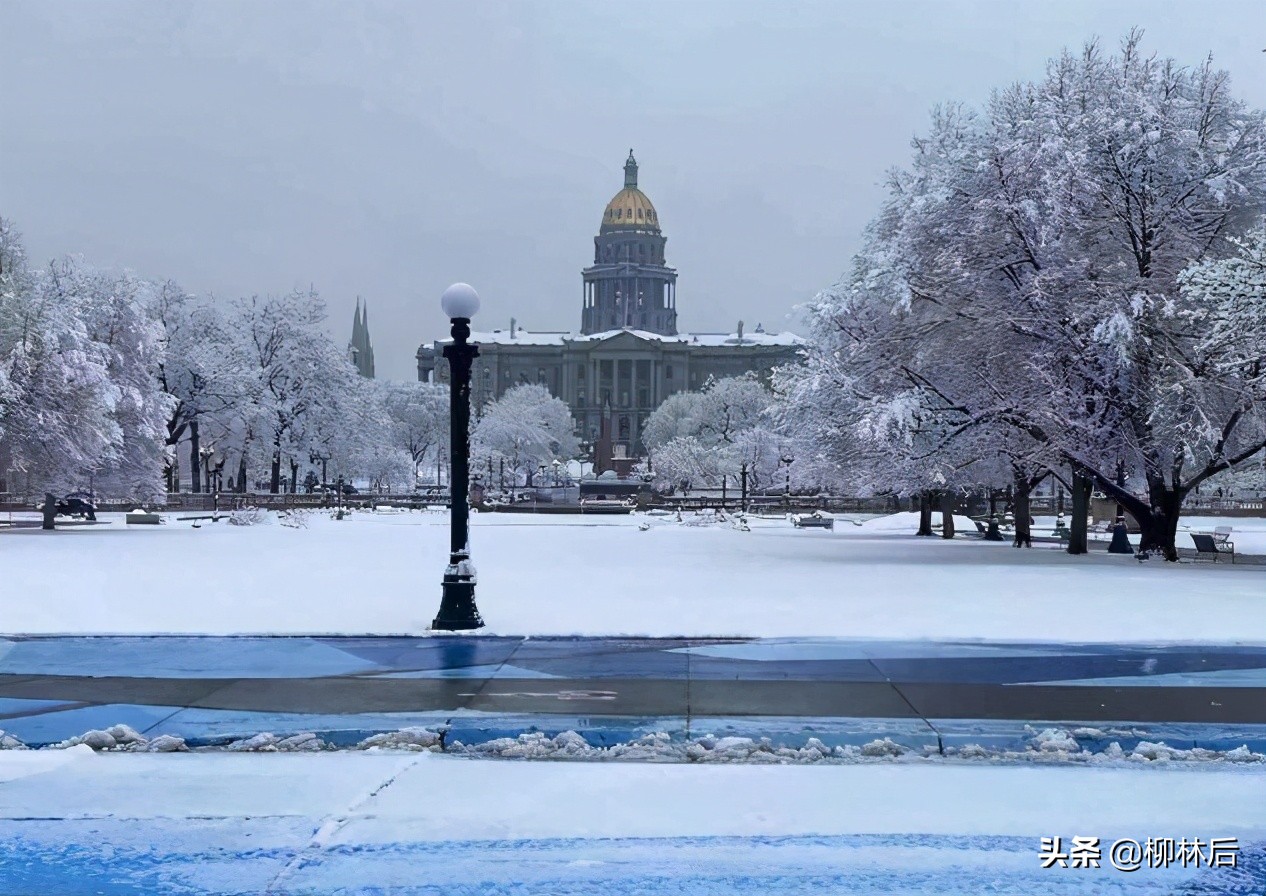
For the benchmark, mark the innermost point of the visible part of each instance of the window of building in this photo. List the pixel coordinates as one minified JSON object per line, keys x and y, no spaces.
{"x":668,"y":371}
{"x":580,"y":398}
{"x":580,"y":372}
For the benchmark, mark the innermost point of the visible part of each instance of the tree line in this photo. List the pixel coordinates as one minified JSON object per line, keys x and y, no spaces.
{"x":111,"y":380}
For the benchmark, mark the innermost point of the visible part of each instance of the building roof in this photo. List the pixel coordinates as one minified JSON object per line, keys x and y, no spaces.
{"x":714,"y":340}
{"x":630,"y":209}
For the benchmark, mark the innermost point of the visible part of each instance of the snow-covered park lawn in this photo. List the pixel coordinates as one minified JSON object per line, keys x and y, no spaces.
{"x":635,"y":575}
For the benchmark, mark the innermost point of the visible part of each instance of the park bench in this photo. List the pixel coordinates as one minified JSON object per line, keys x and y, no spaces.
{"x":1209,"y":544}
{"x":816,"y":520}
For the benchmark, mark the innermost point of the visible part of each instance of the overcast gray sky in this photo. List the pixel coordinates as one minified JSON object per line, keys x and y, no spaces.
{"x":386,"y":149}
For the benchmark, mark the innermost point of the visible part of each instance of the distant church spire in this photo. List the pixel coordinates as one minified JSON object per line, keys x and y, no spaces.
{"x":630,"y":172}
{"x":360,"y":350}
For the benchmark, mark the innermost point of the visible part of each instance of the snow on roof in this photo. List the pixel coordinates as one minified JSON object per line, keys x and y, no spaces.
{"x":525,"y":337}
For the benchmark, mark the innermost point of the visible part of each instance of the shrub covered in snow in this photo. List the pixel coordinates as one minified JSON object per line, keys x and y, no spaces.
{"x":248,"y":516}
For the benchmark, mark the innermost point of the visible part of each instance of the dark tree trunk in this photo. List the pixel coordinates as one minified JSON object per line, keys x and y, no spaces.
{"x":274,"y":479}
{"x":1078,"y":543}
{"x":50,"y":511}
{"x":925,"y":513}
{"x":195,"y":462}
{"x":241,"y":473}
{"x":1020,"y":510}
{"x":1158,"y":520}
{"x":294,"y":476}
{"x":947,"y":513}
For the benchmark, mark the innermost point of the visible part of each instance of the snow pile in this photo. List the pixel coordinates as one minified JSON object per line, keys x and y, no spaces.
{"x":123,"y":739}
{"x":305,"y":742}
{"x":1062,"y":745}
{"x":296,"y":518}
{"x":9,"y":742}
{"x":415,"y":739}
{"x":1052,"y":740}
{"x":1050,"y":745}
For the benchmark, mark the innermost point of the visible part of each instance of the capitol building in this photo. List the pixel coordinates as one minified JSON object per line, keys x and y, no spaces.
{"x":627,"y":356}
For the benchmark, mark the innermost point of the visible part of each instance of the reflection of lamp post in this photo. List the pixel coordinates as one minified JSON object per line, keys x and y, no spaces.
{"x":457,"y":604}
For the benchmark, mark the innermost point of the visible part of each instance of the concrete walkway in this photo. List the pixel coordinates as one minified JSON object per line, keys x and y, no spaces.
{"x":213,"y":690}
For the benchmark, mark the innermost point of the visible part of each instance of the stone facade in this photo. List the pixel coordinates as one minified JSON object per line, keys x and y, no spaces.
{"x":627,"y":357}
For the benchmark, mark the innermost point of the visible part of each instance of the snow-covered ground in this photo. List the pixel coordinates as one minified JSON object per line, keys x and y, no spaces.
{"x":380,"y":573}
{"x":74,"y":821}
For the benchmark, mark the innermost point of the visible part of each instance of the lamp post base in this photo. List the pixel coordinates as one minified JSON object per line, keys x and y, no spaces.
{"x":458,"y":612}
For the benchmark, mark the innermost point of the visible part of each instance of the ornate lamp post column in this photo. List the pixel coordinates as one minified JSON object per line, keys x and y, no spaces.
{"x":457,"y":605}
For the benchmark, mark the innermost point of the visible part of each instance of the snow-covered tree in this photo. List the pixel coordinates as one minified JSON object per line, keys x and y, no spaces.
{"x":1019,"y":303}
{"x":527,"y":427}
{"x":78,"y":396}
{"x":298,"y":375}
{"x":701,"y":437}
{"x":419,"y":418}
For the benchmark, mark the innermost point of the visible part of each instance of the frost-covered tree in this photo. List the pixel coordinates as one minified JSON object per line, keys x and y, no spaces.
{"x":1019,"y":303}
{"x":419,"y":416}
{"x":116,"y":312}
{"x":703,"y":437}
{"x":298,"y":375}
{"x":78,"y":396}
{"x":203,"y":369}
{"x":527,"y":427}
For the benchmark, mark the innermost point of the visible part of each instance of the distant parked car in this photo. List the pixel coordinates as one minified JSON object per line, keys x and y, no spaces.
{"x":76,"y":505}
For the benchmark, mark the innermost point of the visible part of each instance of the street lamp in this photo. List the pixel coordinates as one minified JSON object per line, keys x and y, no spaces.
{"x":457,"y":604}
{"x":557,"y":464}
{"x":743,"y":474}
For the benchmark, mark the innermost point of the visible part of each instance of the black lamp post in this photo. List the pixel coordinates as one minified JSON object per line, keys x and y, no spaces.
{"x":743,"y":478}
{"x":787,"y":459}
{"x":457,"y":604}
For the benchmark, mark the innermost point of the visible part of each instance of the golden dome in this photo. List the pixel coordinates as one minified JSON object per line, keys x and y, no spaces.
{"x":630,"y":209}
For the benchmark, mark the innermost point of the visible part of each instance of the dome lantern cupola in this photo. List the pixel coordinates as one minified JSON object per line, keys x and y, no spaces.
{"x":629,"y":286}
